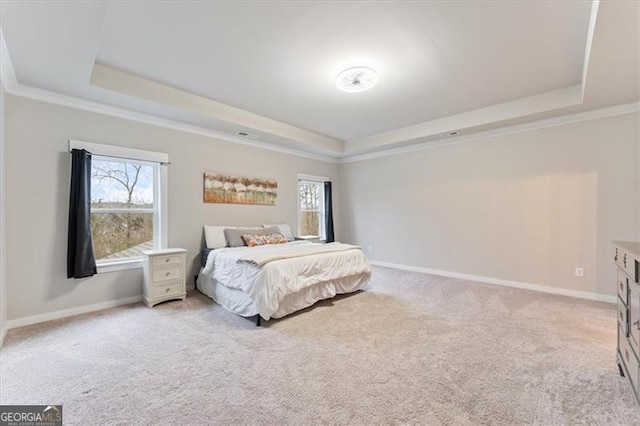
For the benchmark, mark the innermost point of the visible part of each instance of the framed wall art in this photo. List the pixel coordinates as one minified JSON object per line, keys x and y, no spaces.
{"x":227,"y":189}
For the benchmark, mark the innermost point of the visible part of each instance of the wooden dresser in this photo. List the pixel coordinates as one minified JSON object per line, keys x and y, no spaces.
{"x":627,"y":258}
{"x":164,"y":275}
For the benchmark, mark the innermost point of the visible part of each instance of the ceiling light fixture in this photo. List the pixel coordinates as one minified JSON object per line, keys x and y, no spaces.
{"x":356,"y":79}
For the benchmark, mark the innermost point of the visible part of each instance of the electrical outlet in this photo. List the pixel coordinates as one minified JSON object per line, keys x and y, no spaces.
{"x":580,"y":272}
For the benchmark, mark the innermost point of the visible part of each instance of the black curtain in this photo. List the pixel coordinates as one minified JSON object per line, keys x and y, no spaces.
{"x":81,"y":262}
{"x":328,"y":213}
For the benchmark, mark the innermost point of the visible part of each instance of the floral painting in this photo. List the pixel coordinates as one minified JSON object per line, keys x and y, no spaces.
{"x":220,"y":188}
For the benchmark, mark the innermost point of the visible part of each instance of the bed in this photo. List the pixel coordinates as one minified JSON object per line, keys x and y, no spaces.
{"x":274,"y":280}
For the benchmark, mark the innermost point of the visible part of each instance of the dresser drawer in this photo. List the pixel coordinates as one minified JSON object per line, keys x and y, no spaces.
{"x":166,"y":290}
{"x":634,"y":315}
{"x":160,"y":276}
{"x":629,"y":358}
{"x":170,"y":259}
{"x":623,"y":317}
{"x":623,"y":286}
{"x":627,"y":262}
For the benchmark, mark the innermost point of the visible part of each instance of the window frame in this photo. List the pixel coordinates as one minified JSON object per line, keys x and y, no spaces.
{"x":160,"y":218}
{"x":315,"y":179}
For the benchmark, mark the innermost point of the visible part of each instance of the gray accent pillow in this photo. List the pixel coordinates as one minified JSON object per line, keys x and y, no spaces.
{"x":234,"y":235}
{"x":271,"y":230}
{"x":283,"y":229}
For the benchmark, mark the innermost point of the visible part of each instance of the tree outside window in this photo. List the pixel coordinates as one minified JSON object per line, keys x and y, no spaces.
{"x":122,"y":208}
{"x":311,"y":199}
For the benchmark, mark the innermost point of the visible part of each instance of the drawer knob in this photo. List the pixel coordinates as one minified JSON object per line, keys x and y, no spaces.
{"x":624,"y":260}
{"x":616,"y":258}
{"x":167,"y":290}
{"x":166,"y":260}
{"x":167,"y":274}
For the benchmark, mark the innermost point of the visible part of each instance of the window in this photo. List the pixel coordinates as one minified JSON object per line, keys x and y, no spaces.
{"x":311,"y":219}
{"x":128,"y":204}
{"x":123,"y":208}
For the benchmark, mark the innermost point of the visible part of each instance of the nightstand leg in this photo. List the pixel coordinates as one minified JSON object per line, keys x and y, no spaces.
{"x":258,"y":320}
{"x":621,"y":369}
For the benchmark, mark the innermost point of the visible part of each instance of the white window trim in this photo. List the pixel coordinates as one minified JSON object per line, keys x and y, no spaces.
{"x":120,"y":151}
{"x":310,"y":178}
{"x":119,"y":265}
{"x":161,"y":194}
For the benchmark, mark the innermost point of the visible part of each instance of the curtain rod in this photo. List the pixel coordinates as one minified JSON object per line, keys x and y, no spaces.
{"x":162,"y":163}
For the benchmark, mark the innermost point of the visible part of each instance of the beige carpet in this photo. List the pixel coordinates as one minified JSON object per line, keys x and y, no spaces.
{"x":411,"y":348}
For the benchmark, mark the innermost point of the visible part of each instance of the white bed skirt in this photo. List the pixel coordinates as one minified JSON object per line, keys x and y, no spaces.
{"x":239,"y":303}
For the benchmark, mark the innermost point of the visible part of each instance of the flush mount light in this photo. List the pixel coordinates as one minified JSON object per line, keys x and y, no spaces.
{"x":356,"y":79}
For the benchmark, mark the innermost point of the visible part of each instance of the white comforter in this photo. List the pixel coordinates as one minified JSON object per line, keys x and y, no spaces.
{"x":266,"y":286}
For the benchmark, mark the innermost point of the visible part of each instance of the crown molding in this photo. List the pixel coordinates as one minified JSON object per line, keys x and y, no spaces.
{"x":91,"y":106}
{"x":630,"y":108}
{"x":16,"y":89}
{"x":542,"y":102}
{"x":129,"y":84}
{"x":11,"y":86}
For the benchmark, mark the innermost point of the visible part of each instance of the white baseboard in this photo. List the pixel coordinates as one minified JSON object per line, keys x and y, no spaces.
{"x":35,"y":319}
{"x":527,"y":286}
{"x":3,"y":333}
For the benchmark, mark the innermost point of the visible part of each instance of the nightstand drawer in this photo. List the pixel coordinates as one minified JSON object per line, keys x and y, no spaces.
{"x":166,"y":274}
{"x":166,"y":290}
{"x":171,"y":259}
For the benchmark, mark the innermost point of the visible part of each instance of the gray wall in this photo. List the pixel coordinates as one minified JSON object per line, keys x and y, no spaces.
{"x":37,"y":196}
{"x":526,"y":207}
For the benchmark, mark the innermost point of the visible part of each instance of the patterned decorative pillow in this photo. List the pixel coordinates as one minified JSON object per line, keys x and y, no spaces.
{"x":276,"y":238}
{"x":254,"y":240}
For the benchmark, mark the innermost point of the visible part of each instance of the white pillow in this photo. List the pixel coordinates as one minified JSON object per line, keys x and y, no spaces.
{"x":284,"y":230}
{"x":214,"y":236}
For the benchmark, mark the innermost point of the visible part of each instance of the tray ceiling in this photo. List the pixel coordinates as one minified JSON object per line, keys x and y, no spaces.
{"x":269,"y":67}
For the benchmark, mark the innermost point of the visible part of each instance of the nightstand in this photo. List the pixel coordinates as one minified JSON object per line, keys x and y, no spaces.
{"x":164,"y":275}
